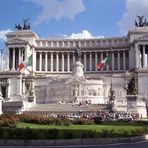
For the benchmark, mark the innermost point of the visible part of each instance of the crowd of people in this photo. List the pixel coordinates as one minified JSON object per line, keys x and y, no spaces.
{"x":105,"y":115}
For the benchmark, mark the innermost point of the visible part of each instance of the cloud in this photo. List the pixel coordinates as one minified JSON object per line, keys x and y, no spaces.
{"x":85,"y":34}
{"x":2,"y":39}
{"x":3,"y":34}
{"x":58,"y":9}
{"x":133,"y":8}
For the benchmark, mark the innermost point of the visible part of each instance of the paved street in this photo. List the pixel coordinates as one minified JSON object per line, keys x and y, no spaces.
{"x":142,"y":144}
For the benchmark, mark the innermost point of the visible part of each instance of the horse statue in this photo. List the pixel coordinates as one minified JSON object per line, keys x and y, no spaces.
{"x":141,"y":22}
{"x":26,"y":25}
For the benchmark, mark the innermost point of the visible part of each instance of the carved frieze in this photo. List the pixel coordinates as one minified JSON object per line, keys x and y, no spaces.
{"x":40,"y":91}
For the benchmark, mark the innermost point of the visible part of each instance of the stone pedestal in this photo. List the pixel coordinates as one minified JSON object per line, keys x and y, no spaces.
{"x":136,"y":104}
{"x":78,"y":69}
{"x":132,"y":103}
{"x":32,"y":97}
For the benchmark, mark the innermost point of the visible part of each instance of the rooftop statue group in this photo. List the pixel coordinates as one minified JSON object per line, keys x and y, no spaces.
{"x":141,"y":22}
{"x":26,"y":25}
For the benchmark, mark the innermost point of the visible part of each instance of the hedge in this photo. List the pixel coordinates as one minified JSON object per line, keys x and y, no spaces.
{"x":27,"y":133}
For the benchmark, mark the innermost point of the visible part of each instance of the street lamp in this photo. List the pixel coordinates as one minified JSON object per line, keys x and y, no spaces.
{"x":112,"y":100}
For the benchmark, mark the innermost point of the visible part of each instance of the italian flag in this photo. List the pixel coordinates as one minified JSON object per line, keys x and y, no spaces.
{"x":105,"y":61}
{"x":26,"y":63}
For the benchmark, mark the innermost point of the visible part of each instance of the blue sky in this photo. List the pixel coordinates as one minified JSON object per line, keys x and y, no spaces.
{"x":72,"y":18}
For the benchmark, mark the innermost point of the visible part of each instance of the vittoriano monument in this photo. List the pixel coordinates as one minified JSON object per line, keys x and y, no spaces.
{"x":65,"y":70}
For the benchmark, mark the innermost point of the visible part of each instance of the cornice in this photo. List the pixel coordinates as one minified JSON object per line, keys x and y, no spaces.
{"x":82,"y":39}
{"x":16,"y":41}
{"x":9,"y":73}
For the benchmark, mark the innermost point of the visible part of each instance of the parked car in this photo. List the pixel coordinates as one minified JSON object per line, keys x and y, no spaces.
{"x":73,"y":116}
{"x":127,"y":118}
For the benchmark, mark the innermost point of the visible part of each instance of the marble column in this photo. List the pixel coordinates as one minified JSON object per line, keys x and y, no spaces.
{"x":85,"y":62}
{"x":124,"y":61}
{"x":8,"y":59}
{"x":68,"y":62}
{"x":57,"y":61}
{"x":101,"y":56}
{"x":40,"y":61}
{"x":101,"y":59}
{"x":146,"y":62}
{"x":34,"y":60}
{"x":46,"y":61}
{"x":144,"y":57}
{"x":96,"y":61}
{"x":73,"y":58}
{"x":13,"y":65}
{"x":118,"y":60}
{"x":90,"y":61}
{"x":51,"y":61}
{"x":137,"y":56}
{"x":23,"y":85}
{"x":107,"y":66}
{"x":20,"y":56}
{"x":62,"y":62}
{"x":113,"y":61}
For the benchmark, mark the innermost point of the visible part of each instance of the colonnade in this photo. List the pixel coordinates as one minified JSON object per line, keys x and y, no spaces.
{"x":16,"y":56}
{"x":63,"y":61}
{"x":143,"y":55}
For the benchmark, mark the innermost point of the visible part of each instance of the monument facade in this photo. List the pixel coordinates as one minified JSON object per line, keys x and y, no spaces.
{"x":64,"y":70}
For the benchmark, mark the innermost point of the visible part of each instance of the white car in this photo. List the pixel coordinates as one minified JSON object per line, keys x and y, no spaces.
{"x":125,"y":118}
{"x":73,"y":116}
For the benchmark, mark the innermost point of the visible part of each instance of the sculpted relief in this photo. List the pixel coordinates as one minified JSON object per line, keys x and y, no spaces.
{"x":58,"y":91}
{"x":120,"y":92}
{"x":75,"y":90}
{"x":90,"y":91}
{"x":40,"y":91}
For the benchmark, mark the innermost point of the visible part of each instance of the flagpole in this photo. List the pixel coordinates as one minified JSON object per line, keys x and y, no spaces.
{"x":32,"y":93}
{"x":111,"y":97}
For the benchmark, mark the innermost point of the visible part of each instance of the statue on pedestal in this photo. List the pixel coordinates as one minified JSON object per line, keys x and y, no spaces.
{"x":111,"y":104}
{"x":132,"y":87}
{"x":77,"y":53}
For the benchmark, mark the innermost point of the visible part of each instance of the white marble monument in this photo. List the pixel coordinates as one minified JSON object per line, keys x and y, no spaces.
{"x":55,"y":78}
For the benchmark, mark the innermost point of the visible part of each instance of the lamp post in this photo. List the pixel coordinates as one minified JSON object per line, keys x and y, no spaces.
{"x":112,"y":100}
{"x":32,"y":97}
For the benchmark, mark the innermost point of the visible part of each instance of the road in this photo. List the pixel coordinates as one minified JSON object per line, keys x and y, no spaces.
{"x":142,"y":144}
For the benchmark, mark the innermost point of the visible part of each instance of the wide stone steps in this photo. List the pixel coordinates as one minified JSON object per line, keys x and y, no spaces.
{"x":66,"y":108}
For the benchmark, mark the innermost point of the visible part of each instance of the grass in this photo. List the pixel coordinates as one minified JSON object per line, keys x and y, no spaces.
{"x":81,"y":127}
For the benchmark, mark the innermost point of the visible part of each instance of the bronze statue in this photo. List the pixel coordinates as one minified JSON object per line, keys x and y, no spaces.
{"x":26,"y":25}
{"x":141,"y":22}
{"x":132,"y":87}
{"x":77,"y":53}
